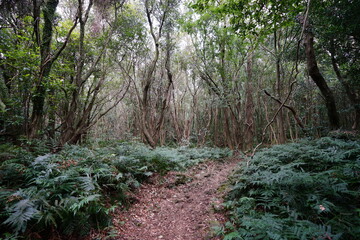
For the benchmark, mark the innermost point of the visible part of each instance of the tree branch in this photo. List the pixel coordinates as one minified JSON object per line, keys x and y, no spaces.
{"x":297,"y":119}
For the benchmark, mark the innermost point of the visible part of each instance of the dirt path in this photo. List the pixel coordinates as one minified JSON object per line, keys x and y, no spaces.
{"x":178,"y":206}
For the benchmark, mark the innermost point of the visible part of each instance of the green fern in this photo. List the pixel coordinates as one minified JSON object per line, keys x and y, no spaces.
{"x":67,"y":191}
{"x":20,"y":213}
{"x":304,"y":190}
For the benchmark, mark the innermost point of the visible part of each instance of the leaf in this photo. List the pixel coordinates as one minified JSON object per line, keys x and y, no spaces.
{"x":232,"y":236}
{"x":20,"y":213}
{"x":87,"y":183}
{"x":83,"y":202}
{"x":119,"y":176}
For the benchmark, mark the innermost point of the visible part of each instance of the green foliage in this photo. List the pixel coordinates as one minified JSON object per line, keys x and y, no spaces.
{"x":253,"y":18}
{"x":76,"y":189}
{"x":163,"y":159}
{"x":304,"y":190}
{"x":18,"y":64}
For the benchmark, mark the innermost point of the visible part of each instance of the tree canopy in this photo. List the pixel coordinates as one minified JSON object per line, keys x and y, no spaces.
{"x":178,"y":73}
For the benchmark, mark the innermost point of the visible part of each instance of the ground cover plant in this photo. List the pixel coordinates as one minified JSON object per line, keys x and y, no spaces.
{"x":304,"y":190}
{"x":75,"y":190}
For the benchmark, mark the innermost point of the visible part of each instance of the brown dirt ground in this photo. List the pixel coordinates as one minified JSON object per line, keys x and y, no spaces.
{"x":178,"y":206}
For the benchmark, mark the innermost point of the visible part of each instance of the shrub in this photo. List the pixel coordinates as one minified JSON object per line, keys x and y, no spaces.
{"x":304,"y":190}
{"x":62,"y":191}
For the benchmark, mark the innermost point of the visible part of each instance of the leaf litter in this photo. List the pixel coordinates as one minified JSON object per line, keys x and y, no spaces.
{"x":178,"y":206}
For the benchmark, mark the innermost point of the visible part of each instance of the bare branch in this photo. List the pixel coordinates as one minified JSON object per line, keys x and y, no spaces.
{"x":297,"y":119}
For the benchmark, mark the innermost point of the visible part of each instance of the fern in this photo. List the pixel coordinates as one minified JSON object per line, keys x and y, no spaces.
{"x":304,"y":190}
{"x":20,"y":213}
{"x":68,"y":191}
{"x":232,"y":236}
{"x":84,"y":201}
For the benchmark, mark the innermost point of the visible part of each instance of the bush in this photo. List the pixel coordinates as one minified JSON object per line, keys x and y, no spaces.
{"x":62,"y":191}
{"x":73,"y":191}
{"x":304,"y":190}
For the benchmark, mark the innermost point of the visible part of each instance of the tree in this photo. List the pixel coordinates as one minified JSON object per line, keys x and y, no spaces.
{"x":18,"y":63}
{"x":159,"y":19}
{"x":335,"y":23}
{"x":220,"y":57}
{"x":262,"y":18}
{"x":317,"y":77}
{"x":59,"y":74}
{"x":86,"y":104}
{"x":47,"y":59}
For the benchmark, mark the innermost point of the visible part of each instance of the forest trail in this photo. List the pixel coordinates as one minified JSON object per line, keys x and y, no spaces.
{"x":178,"y":206}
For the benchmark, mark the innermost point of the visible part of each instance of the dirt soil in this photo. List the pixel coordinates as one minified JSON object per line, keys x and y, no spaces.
{"x":178,"y":206}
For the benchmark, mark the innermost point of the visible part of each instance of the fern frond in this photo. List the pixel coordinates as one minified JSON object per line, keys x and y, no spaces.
{"x":20,"y":213}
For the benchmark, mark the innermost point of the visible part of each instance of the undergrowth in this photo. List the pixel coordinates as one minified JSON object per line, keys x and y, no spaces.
{"x":69,"y":193}
{"x":304,"y":190}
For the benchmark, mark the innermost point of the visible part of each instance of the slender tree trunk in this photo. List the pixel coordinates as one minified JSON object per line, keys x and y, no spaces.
{"x":216,"y":128}
{"x":176,"y":122}
{"x":280,"y":117}
{"x":290,"y":127}
{"x":249,"y":108}
{"x":319,"y":80}
{"x":228,"y":132}
{"x":52,"y":121}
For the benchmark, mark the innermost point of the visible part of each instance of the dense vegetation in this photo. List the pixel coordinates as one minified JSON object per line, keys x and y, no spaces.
{"x":229,"y":73}
{"x":238,"y":74}
{"x":71,"y":192}
{"x":304,"y":190}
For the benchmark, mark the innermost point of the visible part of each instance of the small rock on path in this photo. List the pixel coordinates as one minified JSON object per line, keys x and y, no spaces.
{"x":177,"y":206}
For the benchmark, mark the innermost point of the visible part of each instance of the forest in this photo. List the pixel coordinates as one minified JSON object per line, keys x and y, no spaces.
{"x":103,"y":99}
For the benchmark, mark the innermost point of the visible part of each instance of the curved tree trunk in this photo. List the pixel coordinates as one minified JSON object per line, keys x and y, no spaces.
{"x":151,"y":132}
{"x":319,"y":80}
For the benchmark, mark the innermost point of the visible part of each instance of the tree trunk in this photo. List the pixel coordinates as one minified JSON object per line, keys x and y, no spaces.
{"x":152,"y":133}
{"x":319,"y":80}
{"x":355,"y":101}
{"x":45,"y":67}
{"x":249,"y":108}
{"x":175,"y":119}
{"x":280,"y":117}
{"x":227,"y":130}
{"x":74,"y":123}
